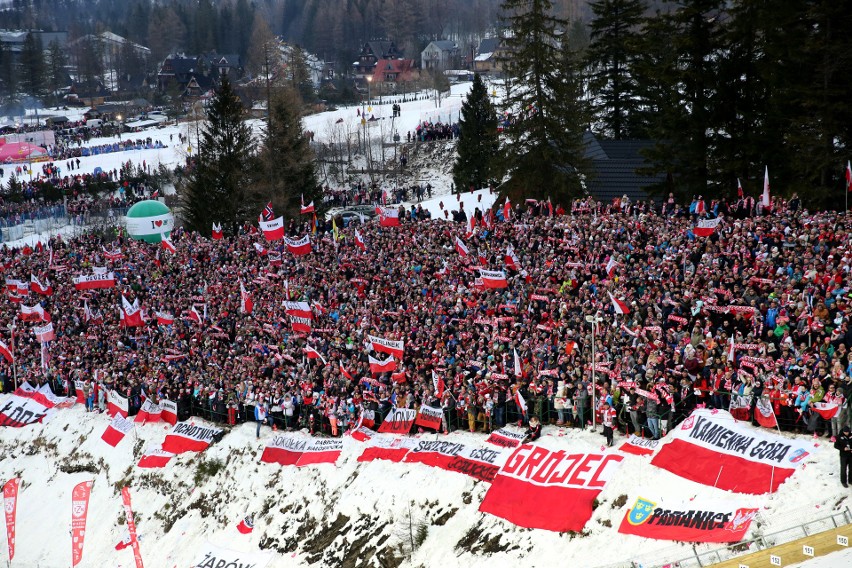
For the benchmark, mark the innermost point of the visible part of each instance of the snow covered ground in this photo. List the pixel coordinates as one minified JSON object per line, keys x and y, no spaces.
{"x":321,"y":515}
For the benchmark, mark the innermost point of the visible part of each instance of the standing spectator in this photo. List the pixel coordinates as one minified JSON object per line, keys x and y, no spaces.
{"x":844,"y":446}
{"x":261,"y":416}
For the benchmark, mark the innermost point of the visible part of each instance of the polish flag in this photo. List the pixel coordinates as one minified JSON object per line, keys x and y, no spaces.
{"x":512,"y":261}
{"x":169,"y":409}
{"x":35,"y":313}
{"x":298,"y":309}
{"x":827,"y":410}
{"x":739,"y":189}
{"x":126,"y":540}
{"x":155,"y":458}
{"x":116,"y":430}
{"x":388,"y":216}
{"x":848,"y":176}
{"x":517,"y":368}
{"x":705,"y":227}
{"x":98,"y":280}
{"x":386,"y":366}
{"x":13,"y":285}
{"x":611,"y":266}
{"x":306,"y":209}
{"x":549,"y":206}
{"x":6,"y":351}
{"x":113,"y":256}
{"x":44,"y":333}
{"x":117,"y":404}
{"x":131,"y":314}
{"x":314,"y":354}
{"x":520,"y":402}
{"x":217,"y":232}
{"x":507,"y":210}
{"x":193,"y":315}
{"x":765,"y":414}
{"x":461,"y":248}
{"x":149,"y":412}
{"x":359,"y":241}
{"x":731,"y":349}
{"x":765,"y":201}
{"x":493,"y":278}
{"x":260,"y":250}
{"x":165,"y":318}
{"x":273,"y":230}
{"x":344,"y":372}
{"x":298,"y":247}
{"x":36,"y":286}
{"x":302,"y":325}
{"x":247,"y":524}
{"x":620,"y":306}
{"x":167,"y":244}
{"x":187,"y":437}
{"x":438,"y":384}
{"x":246,"y":303}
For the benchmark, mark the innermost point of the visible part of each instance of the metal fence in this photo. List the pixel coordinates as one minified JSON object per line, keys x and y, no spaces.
{"x":48,"y":221}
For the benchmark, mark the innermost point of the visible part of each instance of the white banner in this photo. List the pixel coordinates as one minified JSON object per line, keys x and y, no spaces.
{"x":212,"y":556}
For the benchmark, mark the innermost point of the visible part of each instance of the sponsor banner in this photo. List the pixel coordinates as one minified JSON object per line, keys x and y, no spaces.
{"x":150,"y":412}
{"x":429,"y":417}
{"x":711,"y":448}
{"x":506,"y":438}
{"x":389,"y":448}
{"x":382,"y":345}
{"x":398,"y":421}
{"x":116,"y":430}
{"x":185,"y":437}
{"x":320,"y":450}
{"x":212,"y":556}
{"x":79,"y":513}
{"x":698,"y":520}
{"x":94,"y":281}
{"x":169,"y":411}
{"x":639,"y":446}
{"x":116,"y":404}
{"x":10,"y":507}
{"x":284,"y":450}
{"x":155,"y":458}
{"x":154,"y":225}
{"x":568,"y":483}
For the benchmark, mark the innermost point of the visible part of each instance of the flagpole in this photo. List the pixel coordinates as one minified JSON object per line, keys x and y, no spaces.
{"x":14,"y":358}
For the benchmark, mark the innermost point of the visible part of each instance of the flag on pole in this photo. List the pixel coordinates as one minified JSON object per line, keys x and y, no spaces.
{"x":620,"y":306}
{"x":765,"y":201}
{"x":305,"y":209}
{"x":517,"y":369}
{"x":267,"y":214}
{"x":461,"y":247}
{"x":359,"y":241}
{"x":739,"y":189}
{"x":217,"y":231}
{"x":848,"y":176}
{"x":168,"y":244}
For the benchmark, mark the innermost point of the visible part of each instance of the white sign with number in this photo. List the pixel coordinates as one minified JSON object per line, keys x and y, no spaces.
{"x":774,"y":560}
{"x":808,"y":550}
{"x":842,"y":540}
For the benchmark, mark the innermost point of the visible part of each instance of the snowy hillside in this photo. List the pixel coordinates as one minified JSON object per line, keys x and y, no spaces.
{"x":350,"y":514}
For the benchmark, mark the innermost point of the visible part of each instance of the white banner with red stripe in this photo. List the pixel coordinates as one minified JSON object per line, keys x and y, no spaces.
{"x":116,"y":404}
{"x":149,"y":412}
{"x":382,"y":345}
{"x":398,"y":421}
{"x":94,"y":281}
{"x":429,"y":417}
{"x":639,"y":446}
{"x":169,"y":411}
{"x":506,"y":438}
{"x":186,"y":437}
{"x":385,"y":447}
{"x":155,"y":458}
{"x":116,"y":430}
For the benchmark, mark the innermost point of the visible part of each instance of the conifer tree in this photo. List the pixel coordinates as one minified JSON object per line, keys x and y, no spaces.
{"x":478,"y":149}
{"x":217,"y":189}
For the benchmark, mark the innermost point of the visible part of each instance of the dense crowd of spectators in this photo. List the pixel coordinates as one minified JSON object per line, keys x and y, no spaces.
{"x":776,"y":287}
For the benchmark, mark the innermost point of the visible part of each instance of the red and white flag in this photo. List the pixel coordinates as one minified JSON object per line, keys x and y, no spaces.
{"x":388,"y":216}
{"x":34,"y":313}
{"x":7,"y":352}
{"x":45,"y":289}
{"x":619,"y":306}
{"x":217,"y":232}
{"x":10,"y":507}
{"x":512,"y":262}
{"x":388,"y":346}
{"x":517,"y":366}
{"x":521,"y":402}
{"x":385,"y":366}
{"x":320,"y":450}
{"x":193,"y":315}
{"x":493,"y":279}
{"x":167,"y":244}
{"x":765,"y":414}
{"x":98,"y":280}
{"x":149,"y":412}
{"x":639,"y":446}
{"x":429,"y":417}
{"x":344,"y":372}
{"x":304,"y":209}
{"x":165,"y":318}
{"x":507,"y":210}
{"x":298,"y":247}
{"x":398,"y":421}
{"x":187,"y":437}
{"x":44,"y":333}
{"x":114,"y":255}
{"x":438,"y":384}
{"x":301,"y":325}
{"x":359,"y":241}
{"x":116,"y":404}
{"x":131,"y":314}
{"x":706,"y":227}
{"x":713,"y":449}
{"x":389,"y":448}
{"x":568,"y":482}
{"x":246,"y":525}
{"x":283,"y":450}
{"x":79,"y":513}
{"x":507,"y":438}
{"x":461,"y":247}
{"x":611,"y":265}
{"x":116,"y":430}
{"x":827,"y":410}
{"x":314,"y":354}
{"x":155,"y":458}
{"x":766,"y":201}
{"x":298,"y":309}
{"x":246,"y":303}
{"x":169,"y":411}
{"x":739,"y":189}
{"x":273,"y":230}
{"x":267,"y":214}
{"x":848,"y":176}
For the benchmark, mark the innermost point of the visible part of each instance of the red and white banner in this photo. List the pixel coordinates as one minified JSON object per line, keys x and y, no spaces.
{"x":116,"y":430}
{"x":301,"y":325}
{"x":462,"y":248}
{"x":429,"y":417}
{"x":398,"y":421}
{"x":740,"y":407}
{"x":697,"y":520}
{"x":389,"y":448}
{"x":506,"y":438}
{"x":312,"y":353}
{"x":246,"y":303}
{"x":765,"y":414}
{"x":382,"y":345}
{"x":305,"y":209}
{"x":298,"y":247}
{"x":827,"y":410}
{"x":167,"y":244}
{"x":131,"y":526}
{"x":165,"y":318}
{"x":493,"y":278}
{"x":169,"y":411}
{"x":367,"y":419}
{"x":79,"y":513}
{"x":116,"y":404}
{"x":186,"y":437}
{"x":217,"y":231}
{"x":10,"y":506}
{"x":24,"y":407}
{"x":639,"y":446}
{"x":568,"y":482}
{"x":94,"y":281}
{"x":131,"y":314}
{"x":45,"y":289}
{"x":149,"y":412}
{"x":44,"y":333}
{"x":359,"y":241}
{"x":320,"y":450}
{"x":6,"y":352}
{"x":511,"y":259}
{"x":619,"y":306}
{"x":711,"y":448}
{"x":386,"y":366}
{"x":155,"y":458}
{"x":479,"y":462}
{"x":705,"y":227}
{"x":284,"y":450}
{"x":210,"y":555}
{"x":273,"y":230}
{"x":388,"y":216}
{"x":298,"y":309}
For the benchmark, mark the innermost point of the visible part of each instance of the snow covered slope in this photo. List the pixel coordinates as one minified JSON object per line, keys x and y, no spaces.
{"x":352,"y":514}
